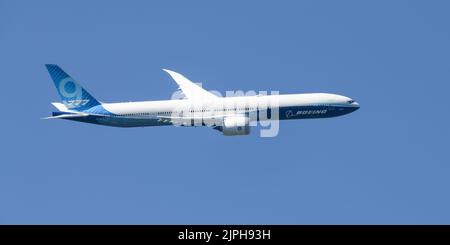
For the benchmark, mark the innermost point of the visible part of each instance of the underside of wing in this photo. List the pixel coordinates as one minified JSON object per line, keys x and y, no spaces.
{"x":190,"y":89}
{"x":211,"y":119}
{"x":199,"y":117}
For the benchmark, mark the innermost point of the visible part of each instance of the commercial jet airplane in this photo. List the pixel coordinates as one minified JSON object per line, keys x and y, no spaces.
{"x":230,"y":115}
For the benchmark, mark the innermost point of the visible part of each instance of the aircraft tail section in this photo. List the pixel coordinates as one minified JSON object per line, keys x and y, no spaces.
{"x":72,"y":94}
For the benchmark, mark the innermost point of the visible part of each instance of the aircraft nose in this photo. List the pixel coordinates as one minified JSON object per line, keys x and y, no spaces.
{"x":355,"y":105}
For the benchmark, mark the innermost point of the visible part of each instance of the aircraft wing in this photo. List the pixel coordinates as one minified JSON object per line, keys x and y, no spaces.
{"x":201,"y":117}
{"x":211,"y":118}
{"x":190,"y":89}
{"x":193,"y":118}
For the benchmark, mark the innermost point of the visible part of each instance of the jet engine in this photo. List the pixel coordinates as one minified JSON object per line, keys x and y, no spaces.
{"x":236,"y":125}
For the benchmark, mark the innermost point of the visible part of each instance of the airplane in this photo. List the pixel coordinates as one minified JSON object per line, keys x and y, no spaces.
{"x":198,"y":107}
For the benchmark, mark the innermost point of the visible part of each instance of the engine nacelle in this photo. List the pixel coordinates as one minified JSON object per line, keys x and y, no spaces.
{"x":238,"y":125}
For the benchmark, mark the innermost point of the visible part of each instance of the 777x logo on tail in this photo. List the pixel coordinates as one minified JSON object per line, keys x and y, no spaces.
{"x":72,"y":94}
{"x":68,"y":89}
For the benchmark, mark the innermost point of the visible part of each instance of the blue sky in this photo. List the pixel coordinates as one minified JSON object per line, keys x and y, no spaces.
{"x":387,"y":163}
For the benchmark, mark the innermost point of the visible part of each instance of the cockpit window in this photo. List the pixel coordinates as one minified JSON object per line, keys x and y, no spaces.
{"x":350,"y":101}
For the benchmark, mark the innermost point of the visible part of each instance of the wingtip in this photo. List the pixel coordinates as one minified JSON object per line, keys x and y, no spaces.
{"x":175,"y":75}
{"x":167,"y":70}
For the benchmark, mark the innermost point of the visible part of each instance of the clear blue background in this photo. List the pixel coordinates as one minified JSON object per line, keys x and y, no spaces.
{"x":387,"y":163}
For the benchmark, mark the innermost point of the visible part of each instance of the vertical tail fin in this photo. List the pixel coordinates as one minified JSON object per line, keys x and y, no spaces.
{"x":72,"y":94}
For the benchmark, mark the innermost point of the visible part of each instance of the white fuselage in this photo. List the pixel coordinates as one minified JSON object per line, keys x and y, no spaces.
{"x":226,"y":105}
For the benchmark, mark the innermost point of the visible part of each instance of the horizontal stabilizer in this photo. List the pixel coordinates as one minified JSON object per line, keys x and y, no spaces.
{"x":63,"y":108}
{"x":66,"y":116}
